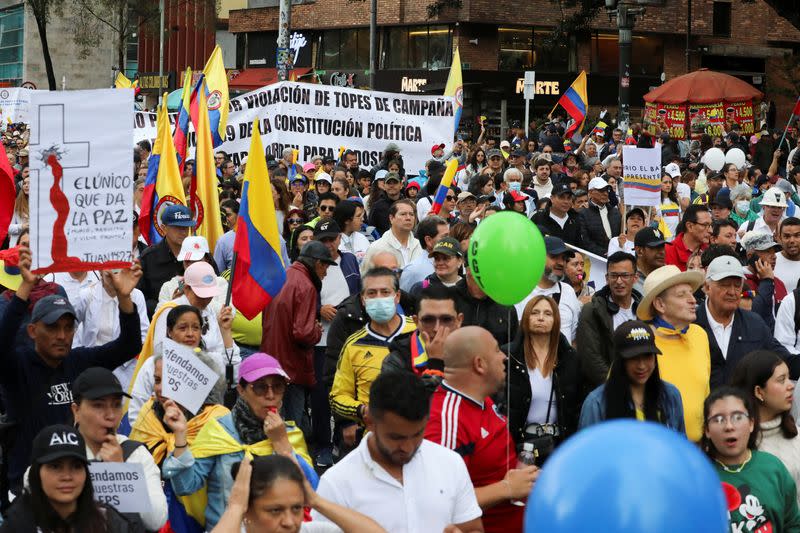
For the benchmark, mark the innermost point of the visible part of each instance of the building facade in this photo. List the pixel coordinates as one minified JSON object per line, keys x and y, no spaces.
{"x":498,"y":41}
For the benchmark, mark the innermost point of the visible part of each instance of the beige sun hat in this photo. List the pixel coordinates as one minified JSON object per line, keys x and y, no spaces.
{"x":662,"y":279}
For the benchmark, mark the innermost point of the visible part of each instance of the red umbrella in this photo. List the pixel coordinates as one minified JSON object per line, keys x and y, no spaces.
{"x":703,"y":87}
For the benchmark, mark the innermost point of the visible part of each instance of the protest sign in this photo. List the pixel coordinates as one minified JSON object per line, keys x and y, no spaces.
{"x":15,"y":104}
{"x":81,"y":206}
{"x":594,"y":267}
{"x":186,"y":379}
{"x":319,"y":119}
{"x":641,"y":172}
{"x":120,"y":485}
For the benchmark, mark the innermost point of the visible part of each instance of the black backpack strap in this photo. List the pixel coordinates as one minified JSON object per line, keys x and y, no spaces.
{"x":796,"y":293}
{"x":128,"y":447}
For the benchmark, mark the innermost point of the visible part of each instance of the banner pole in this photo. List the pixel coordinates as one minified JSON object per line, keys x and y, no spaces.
{"x":230,"y":280}
{"x":791,"y":116}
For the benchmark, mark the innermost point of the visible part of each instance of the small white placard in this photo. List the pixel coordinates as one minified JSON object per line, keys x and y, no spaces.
{"x":185,"y":378}
{"x":120,"y":485}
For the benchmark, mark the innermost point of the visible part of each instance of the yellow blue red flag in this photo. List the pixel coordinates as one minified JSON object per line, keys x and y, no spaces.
{"x":576,"y":102}
{"x":455,"y":87}
{"x":217,"y":96}
{"x":205,"y":198}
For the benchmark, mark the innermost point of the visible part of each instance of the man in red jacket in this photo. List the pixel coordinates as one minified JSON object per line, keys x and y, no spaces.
{"x":292,"y":327}
{"x":694,"y":233}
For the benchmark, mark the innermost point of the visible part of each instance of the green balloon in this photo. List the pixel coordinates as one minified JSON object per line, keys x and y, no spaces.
{"x":506,"y":257}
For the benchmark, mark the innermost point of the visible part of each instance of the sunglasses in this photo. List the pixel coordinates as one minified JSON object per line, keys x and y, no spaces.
{"x":327,"y":208}
{"x":261,"y":388}
{"x":432,"y":320}
{"x":449,"y":198}
{"x":295,"y":221}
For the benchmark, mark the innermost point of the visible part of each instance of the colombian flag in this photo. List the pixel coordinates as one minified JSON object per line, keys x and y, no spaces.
{"x":163,"y":184}
{"x":205,"y":198}
{"x":259,"y":270}
{"x":182,"y":123}
{"x":217,"y":96}
{"x":575,"y":102}
{"x":455,"y":87}
{"x":444,"y":186}
{"x":122,"y":82}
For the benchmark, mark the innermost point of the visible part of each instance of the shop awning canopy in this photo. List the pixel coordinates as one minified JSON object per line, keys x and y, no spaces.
{"x":253,"y":78}
{"x":703,"y":87}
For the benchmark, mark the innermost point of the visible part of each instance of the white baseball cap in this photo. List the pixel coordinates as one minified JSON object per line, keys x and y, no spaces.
{"x":598,"y":184}
{"x":193,"y":249}
{"x":673,"y":170}
{"x":724,"y":266}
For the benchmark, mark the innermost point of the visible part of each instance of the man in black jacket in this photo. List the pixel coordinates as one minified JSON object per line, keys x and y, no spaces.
{"x":601,"y":222}
{"x":480,"y":310}
{"x":734,"y":332}
{"x":160,"y":261}
{"x":559,"y":219}
{"x":436,"y":318}
{"x":379,"y":211}
{"x":36,"y":382}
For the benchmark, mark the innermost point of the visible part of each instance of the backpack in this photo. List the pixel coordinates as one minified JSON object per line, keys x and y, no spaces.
{"x":796,"y":293}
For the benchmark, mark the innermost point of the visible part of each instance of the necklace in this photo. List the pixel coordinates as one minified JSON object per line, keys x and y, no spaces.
{"x":735,"y":470}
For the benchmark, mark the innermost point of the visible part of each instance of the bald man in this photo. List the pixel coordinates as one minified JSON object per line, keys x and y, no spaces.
{"x":463,"y":418}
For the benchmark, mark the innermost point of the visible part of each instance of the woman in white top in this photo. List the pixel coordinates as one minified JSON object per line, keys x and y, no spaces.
{"x":349,"y":215}
{"x":764,"y":376}
{"x":669,"y":209}
{"x":269,"y":495}
{"x":21,"y":217}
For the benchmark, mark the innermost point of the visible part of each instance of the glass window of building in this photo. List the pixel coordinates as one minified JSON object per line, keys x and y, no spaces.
{"x":345,"y":49}
{"x":11,"y":37}
{"x":647,"y":57}
{"x":526,"y":49}
{"x":417,"y":47}
{"x":722,"y":19}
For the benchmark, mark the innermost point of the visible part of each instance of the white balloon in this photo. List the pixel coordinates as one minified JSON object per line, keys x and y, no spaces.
{"x":736,"y":156}
{"x":714,"y":159}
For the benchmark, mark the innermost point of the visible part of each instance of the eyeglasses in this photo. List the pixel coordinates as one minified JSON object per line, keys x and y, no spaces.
{"x":432,"y":320}
{"x":737,"y":418}
{"x":326,"y":208}
{"x":261,"y":388}
{"x":295,"y":221}
{"x":705,"y":226}
{"x":449,"y":198}
{"x":614,"y":276}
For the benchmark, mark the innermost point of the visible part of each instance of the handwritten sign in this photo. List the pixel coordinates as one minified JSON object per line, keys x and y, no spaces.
{"x":186,"y":379}
{"x":81,"y":201}
{"x":641,"y":171}
{"x":120,"y":485}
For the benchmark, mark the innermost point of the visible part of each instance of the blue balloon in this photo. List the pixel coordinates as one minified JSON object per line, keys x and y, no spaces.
{"x":626,"y":476}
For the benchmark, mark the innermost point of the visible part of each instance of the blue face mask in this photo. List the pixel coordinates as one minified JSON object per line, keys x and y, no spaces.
{"x":742,"y":206}
{"x":381,"y":310}
{"x":515,"y":186}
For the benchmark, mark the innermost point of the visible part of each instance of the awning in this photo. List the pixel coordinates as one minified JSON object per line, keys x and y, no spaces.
{"x":253,"y":78}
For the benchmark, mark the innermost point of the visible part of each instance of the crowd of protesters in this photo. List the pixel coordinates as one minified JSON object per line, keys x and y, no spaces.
{"x":382,"y":389}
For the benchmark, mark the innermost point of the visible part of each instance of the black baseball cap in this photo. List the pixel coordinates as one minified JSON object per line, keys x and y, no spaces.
{"x":328,"y":159}
{"x":560,"y":188}
{"x":317,"y":250}
{"x":56,"y":442}
{"x":326,"y":229}
{"x":555,"y":246}
{"x":52,"y":307}
{"x":649,"y":238}
{"x":634,"y":338}
{"x":448,"y":246}
{"x":95,"y":383}
{"x":636,"y":211}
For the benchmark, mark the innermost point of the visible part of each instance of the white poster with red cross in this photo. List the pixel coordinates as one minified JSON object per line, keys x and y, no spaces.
{"x":81,"y":185}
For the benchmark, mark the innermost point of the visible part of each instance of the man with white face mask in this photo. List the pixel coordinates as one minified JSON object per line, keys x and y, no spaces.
{"x":551,"y":285}
{"x":363,"y":353}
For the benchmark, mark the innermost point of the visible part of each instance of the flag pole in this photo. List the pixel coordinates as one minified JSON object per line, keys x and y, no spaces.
{"x":230,"y":280}
{"x":791,"y":116}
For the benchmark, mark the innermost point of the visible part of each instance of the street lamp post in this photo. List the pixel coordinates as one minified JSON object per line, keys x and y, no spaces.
{"x":626,"y":18}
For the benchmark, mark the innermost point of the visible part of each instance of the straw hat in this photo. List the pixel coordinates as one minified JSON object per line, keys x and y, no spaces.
{"x":662,"y":279}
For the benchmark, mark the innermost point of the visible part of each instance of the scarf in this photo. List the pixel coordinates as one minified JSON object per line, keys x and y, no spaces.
{"x":149,"y":430}
{"x":248,"y":425}
{"x":665,"y":328}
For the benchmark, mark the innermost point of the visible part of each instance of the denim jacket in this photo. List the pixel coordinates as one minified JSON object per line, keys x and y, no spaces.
{"x":188,"y":475}
{"x":594,"y":408}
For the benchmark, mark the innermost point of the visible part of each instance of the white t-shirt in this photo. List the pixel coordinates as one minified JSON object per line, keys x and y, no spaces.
{"x":622,"y":316}
{"x":561,"y":221}
{"x":423,"y":207}
{"x":613,"y":246}
{"x":684,"y":191}
{"x":436,"y":489}
{"x":541,"y":399}
{"x":787,"y":271}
